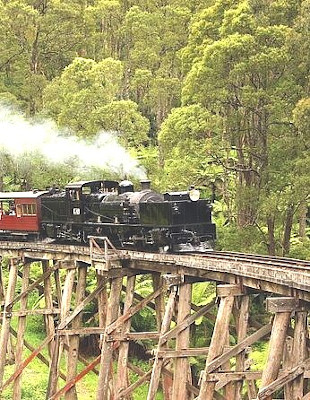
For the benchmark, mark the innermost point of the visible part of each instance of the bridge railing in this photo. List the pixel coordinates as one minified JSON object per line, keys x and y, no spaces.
{"x":102,"y":253}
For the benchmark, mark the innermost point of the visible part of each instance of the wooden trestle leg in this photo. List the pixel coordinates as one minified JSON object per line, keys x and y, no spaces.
{"x":58,"y":343}
{"x":73,"y":350}
{"x":158,"y":362}
{"x":122,"y":381}
{"x":103,"y":392}
{"x":300,"y":350}
{"x":49,"y":320}
{"x":241,"y":315}
{"x":181,"y":365}
{"x":167,"y":379}
{"x":219,"y":337}
{"x":17,"y":393}
{"x":282,"y":307}
{"x":6,"y":319}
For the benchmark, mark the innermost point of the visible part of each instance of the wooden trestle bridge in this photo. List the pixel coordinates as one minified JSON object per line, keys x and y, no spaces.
{"x":226,"y":372}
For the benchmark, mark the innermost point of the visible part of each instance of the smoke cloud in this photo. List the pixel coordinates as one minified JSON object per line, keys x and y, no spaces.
{"x":19,"y":135}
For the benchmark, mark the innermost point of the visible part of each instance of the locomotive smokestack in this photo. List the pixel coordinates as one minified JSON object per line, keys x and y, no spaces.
{"x":145,"y":184}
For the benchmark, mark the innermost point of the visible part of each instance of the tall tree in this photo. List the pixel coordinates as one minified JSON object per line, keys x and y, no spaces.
{"x":243,"y":71}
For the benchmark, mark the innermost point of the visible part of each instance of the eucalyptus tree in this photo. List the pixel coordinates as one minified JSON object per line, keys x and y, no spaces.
{"x":241,"y":68}
{"x":38,"y":39}
{"x":86,"y":98}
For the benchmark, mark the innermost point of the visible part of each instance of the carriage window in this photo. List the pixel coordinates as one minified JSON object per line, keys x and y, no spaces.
{"x":5,"y":207}
{"x":28,"y":209}
{"x":8,"y":207}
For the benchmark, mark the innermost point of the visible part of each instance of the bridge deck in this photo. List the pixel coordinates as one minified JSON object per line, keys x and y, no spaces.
{"x":282,"y":276}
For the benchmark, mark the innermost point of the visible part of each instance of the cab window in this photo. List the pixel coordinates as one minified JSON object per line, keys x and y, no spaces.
{"x":74,"y":195}
{"x":86,"y":190}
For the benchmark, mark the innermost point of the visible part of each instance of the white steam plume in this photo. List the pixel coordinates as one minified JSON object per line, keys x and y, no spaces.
{"x":19,"y":135}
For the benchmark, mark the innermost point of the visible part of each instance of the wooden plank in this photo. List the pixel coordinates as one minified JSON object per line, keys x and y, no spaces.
{"x":77,"y":378}
{"x":133,"y":386}
{"x":81,"y":306}
{"x":64,"y":311}
{"x":54,"y":369}
{"x":39,"y":287}
{"x":234,"y":376}
{"x":33,"y":285}
{"x":187,"y":322}
{"x":59,"y":342}
{"x":218,"y":361}
{"x":39,"y":311}
{"x":191,"y":352}
{"x":287,"y":376}
{"x":229,"y":290}
{"x":229,"y":389}
{"x":40,"y":356}
{"x":58,"y":285}
{"x":134,"y":336}
{"x":27,"y":361}
{"x":102,"y":302}
{"x":2,"y":292}
{"x":288,"y":363}
{"x":132,"y":311}
{"x":300,"y":351}
{"x":158,"y":281}
{"x":252,"y":391}
{"x":281,"y":304}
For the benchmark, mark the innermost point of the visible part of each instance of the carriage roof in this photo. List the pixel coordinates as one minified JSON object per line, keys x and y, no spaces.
{"x":21,"y":195}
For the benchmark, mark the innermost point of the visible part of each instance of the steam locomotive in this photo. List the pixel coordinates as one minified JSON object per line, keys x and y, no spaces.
{"x":146,"y":220}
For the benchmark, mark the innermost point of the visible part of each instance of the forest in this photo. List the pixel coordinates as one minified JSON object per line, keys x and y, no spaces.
{"x":211,"y":93}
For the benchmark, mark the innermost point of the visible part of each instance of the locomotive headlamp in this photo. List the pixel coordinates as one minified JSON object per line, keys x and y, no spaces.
{"x":194,"y":194}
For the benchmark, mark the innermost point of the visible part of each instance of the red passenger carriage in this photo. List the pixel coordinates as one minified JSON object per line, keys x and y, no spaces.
{"x":20,"y":213}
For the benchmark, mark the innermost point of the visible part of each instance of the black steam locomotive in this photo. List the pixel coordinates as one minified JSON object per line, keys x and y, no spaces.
{"x":176,"y":221}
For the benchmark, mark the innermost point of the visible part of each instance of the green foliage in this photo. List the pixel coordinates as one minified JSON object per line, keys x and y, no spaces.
{"x":83,"y":86}
{"x":220,"y":88}
{"x":184,"y":140}
{"x":124,"y":118}
{"x":300,"y":249}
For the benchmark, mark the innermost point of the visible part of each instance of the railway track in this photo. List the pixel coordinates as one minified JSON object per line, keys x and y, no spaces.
{"x":259,"y":258}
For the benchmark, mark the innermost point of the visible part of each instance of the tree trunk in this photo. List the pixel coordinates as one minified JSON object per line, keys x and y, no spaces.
{"x":303,"y":219}
{"x":287,"y":229}
{"x":271,"y":239}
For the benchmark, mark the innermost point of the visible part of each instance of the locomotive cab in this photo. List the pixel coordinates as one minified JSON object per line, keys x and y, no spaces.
{"x":78,"y":195}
